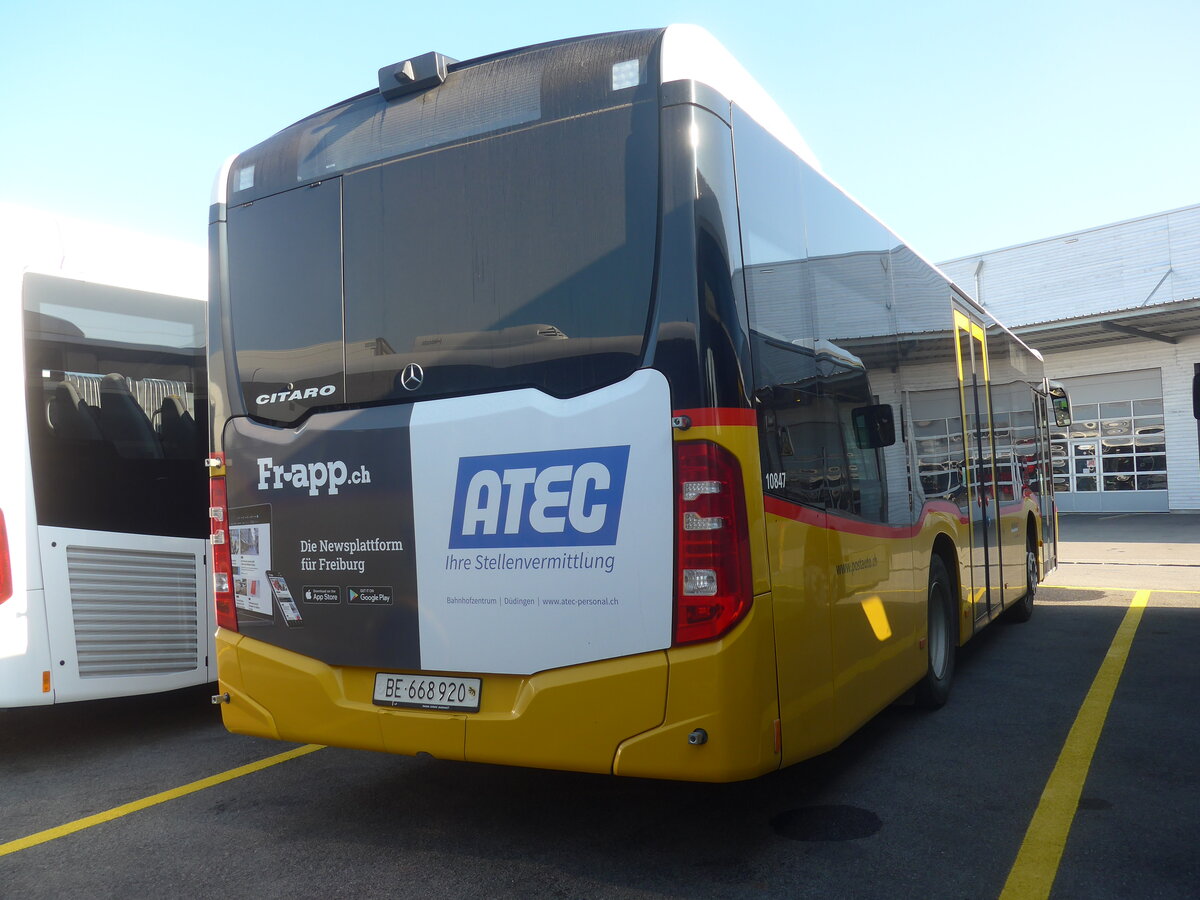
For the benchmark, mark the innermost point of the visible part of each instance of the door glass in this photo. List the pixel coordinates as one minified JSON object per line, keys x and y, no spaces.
{"x":982,"y":498}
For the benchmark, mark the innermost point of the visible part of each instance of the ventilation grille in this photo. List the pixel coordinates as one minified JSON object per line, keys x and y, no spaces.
{"x":134,"y":611}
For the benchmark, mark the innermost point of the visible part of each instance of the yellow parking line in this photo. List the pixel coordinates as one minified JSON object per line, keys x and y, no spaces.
{"x":1066,"y":587}
{"x":1037,"y":862}
{"x":51,"y":834}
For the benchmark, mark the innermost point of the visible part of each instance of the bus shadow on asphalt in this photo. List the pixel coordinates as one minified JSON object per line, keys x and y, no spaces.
{"x":88,"y":726}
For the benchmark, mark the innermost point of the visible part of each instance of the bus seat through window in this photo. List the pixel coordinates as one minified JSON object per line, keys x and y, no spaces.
{"x":177,"y":428}
{"x":69,"y":416}
{"x":124,"y":423}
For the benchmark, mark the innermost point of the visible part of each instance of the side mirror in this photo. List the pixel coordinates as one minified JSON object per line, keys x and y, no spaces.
{"x":874,"y":426}
{"x":1062,"y":411}
{"x":1060,"y":403}
{"x":764,"y":396}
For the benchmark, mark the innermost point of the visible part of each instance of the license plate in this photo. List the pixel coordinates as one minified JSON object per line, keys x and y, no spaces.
{"x":427,"y":692}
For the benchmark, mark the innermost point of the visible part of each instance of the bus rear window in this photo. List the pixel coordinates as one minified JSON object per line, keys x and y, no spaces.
{"x":115,"y":385}
{"x":493,"y":233}
{"x":527,"y":275}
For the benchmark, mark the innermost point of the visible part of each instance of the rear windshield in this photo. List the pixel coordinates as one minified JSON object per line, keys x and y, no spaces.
{"x":520,"y":257}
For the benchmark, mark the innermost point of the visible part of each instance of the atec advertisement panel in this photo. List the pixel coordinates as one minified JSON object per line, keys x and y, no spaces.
{"x":506,"y":533}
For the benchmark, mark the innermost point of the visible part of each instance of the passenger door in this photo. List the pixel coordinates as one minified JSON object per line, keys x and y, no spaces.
{"x":982,"y":509}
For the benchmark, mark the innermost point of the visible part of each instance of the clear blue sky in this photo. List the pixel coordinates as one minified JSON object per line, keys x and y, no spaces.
{"x":964,"y":126}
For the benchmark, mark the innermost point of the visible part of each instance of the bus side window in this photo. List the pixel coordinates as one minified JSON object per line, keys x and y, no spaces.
{"x":808,"y":442}
{"x":811,"y":453}
{"x":791,"y":444}
{"x":864,"y":464}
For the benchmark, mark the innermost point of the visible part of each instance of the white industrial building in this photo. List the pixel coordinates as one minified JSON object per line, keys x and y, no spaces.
{"x":1115,"y":310}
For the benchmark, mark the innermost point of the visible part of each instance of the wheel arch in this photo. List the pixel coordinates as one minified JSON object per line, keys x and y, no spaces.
{"x":944,"y":547}
{"x":1033,"y":531}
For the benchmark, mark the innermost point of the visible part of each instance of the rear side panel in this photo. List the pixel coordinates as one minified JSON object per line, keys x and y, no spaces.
{"x":127,"y":614}
{"x":724,"y":688}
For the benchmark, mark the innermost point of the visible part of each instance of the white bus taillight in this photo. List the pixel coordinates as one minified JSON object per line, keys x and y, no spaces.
{"x":6,"y":581}
{"x":222,"y":563}
{"x":713,"y":583}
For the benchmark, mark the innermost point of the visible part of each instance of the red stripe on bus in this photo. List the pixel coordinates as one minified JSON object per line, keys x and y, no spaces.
{"x":720,"y":415}
{"x":821,"y":519}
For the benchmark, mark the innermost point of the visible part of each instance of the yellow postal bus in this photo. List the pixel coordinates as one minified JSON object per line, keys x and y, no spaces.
{"x":565,"y":414}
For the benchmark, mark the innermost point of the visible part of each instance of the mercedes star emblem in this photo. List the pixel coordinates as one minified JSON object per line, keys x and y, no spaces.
{"x":411,"y":377}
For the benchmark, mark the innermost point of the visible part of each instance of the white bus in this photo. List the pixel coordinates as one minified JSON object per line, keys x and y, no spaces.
{"x":103,"y":566}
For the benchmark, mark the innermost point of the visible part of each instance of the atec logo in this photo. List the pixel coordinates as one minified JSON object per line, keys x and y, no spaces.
{"x":550,"y":498}
{"x":330,"y":475}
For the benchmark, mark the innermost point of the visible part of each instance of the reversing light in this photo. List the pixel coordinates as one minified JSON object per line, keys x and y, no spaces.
{"x":699,"y":582}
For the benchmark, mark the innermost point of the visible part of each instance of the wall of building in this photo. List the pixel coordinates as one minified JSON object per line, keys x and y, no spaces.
{"x":1139,"y":264}
{"x":1174,"y":366}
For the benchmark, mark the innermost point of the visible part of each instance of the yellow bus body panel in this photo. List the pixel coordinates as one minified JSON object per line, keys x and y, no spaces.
{"x":878,"y":620}
{"x":572,"y":718}
{"x":850,"y":625}
{"x":803,"y":630}
{"x":726,"y":688}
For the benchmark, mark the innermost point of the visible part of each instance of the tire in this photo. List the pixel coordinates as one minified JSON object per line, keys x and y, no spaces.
{"x":1022,"y":610}
{"x":942,"y":639}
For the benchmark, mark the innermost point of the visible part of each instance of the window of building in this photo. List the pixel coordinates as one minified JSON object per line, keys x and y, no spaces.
{"x":1112,"y":445}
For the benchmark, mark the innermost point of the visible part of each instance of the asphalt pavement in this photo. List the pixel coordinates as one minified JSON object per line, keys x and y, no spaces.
{"x":150,"y":797}
{"x":1129,"y":550}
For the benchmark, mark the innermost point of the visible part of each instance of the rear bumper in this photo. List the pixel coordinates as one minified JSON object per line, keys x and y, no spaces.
{"x":622,"y":716}
{"x":572,"y":718}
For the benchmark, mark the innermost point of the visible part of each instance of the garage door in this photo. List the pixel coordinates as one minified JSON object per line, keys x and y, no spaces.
{"x":1114,"y":456}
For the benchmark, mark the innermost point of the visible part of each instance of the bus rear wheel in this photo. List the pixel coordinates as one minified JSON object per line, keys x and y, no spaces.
{"x":941,"y":641}
{"x":1022,"y":610}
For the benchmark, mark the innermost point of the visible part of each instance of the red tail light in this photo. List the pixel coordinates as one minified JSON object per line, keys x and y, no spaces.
{"x":713,"y":584}
{"x":222,"y":563}
{"x":6,"y":582}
